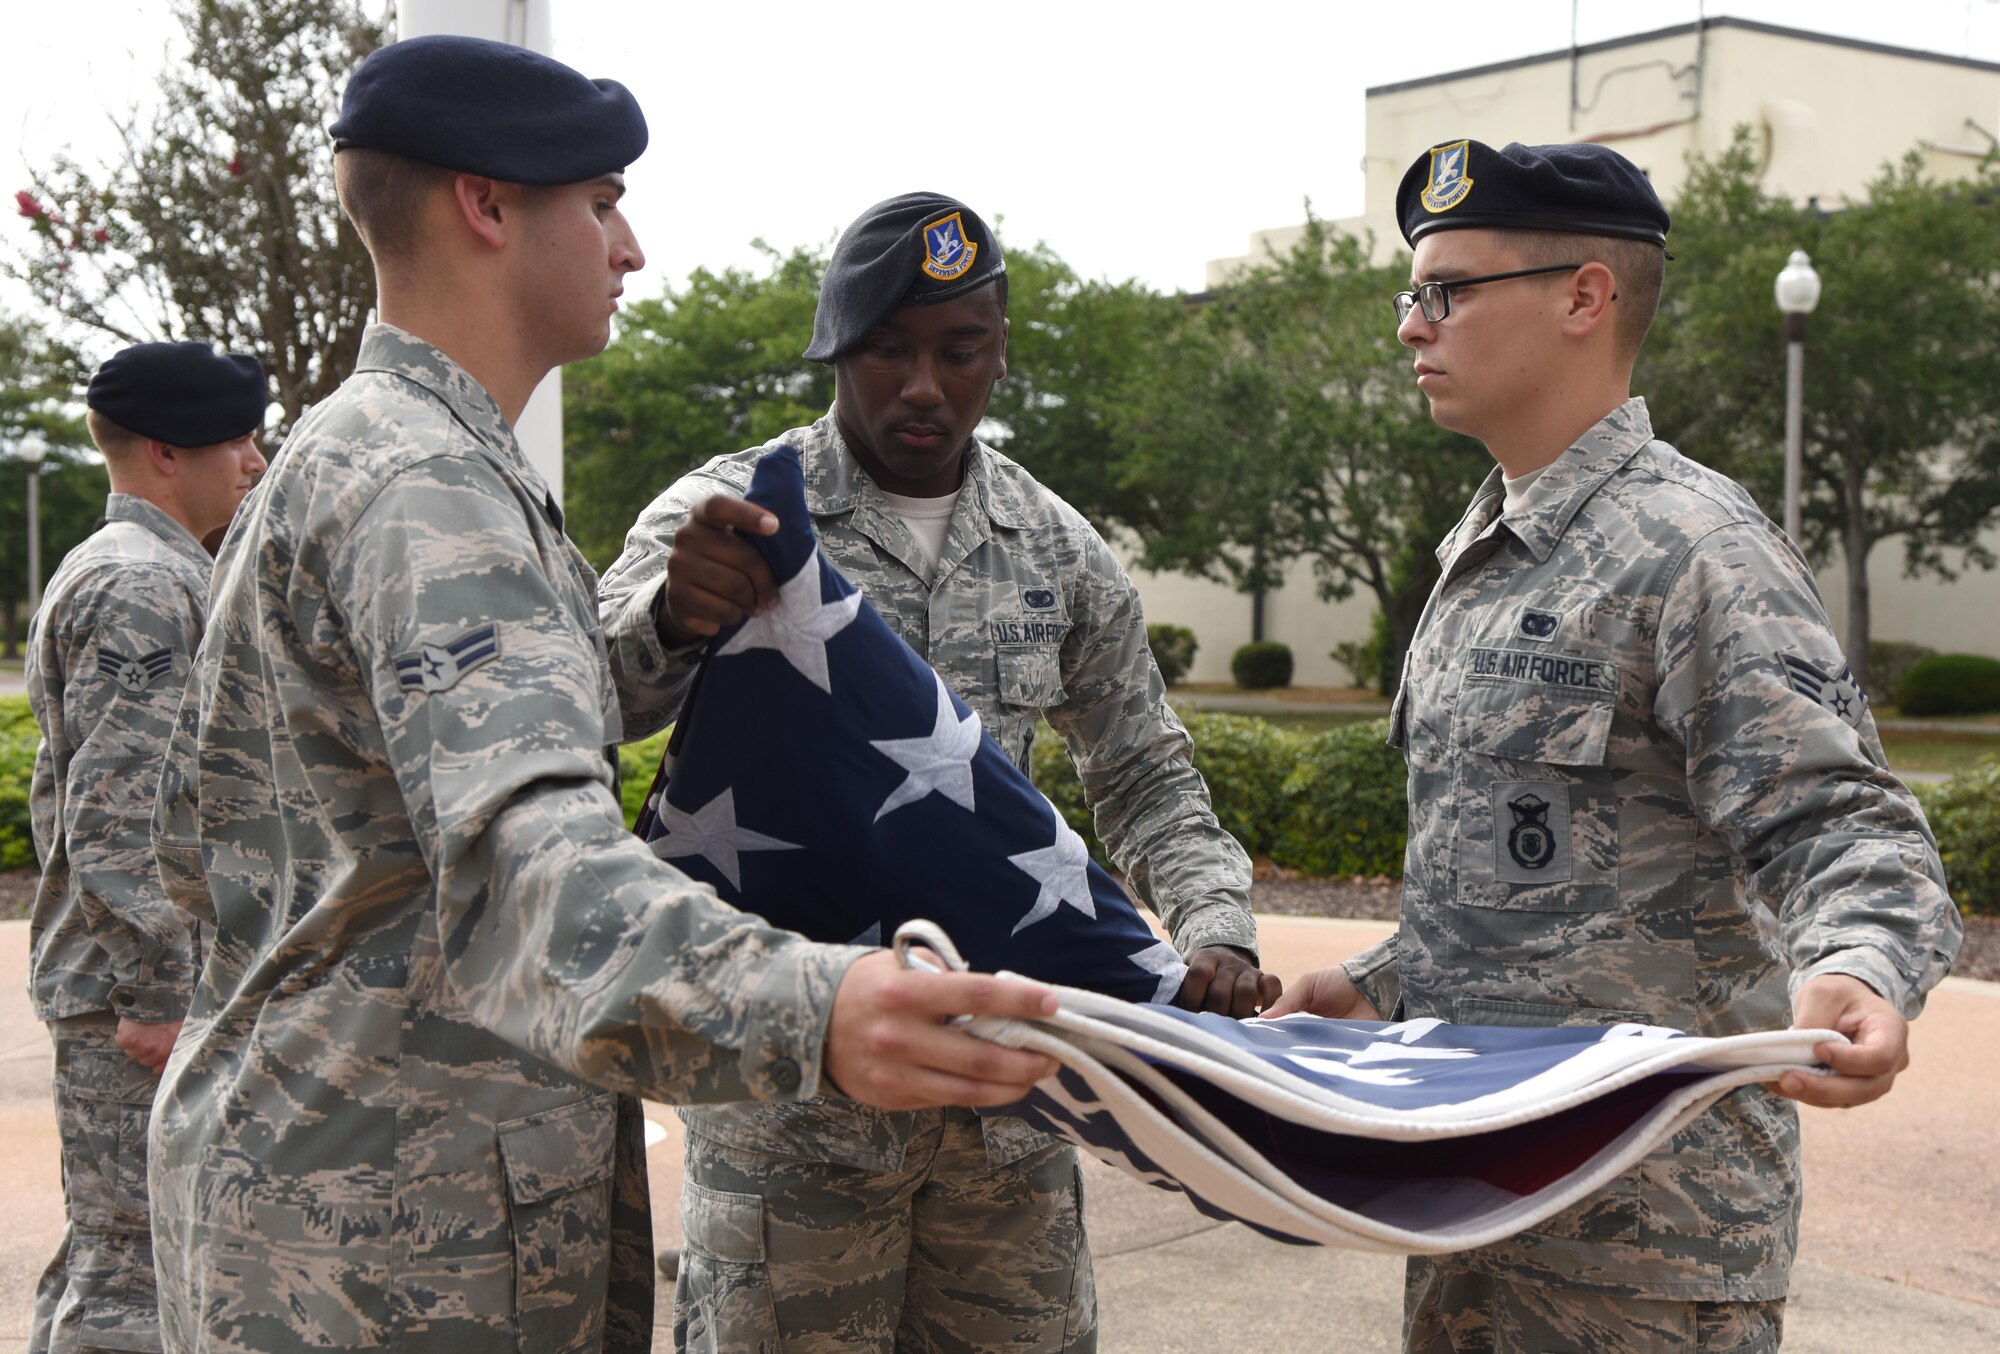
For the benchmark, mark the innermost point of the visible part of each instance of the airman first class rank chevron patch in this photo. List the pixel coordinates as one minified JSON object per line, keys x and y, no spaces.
{"x":437,"y":667}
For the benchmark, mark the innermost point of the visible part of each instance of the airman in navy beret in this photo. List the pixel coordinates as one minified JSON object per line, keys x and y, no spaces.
{"x":444,"y":968}
{"x":111,"y":963}
{"x":1702,"y":836}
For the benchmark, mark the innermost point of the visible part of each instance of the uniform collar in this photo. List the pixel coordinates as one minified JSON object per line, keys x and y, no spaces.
{"x":396,"y":352}
{"x":1573,"y":477}
{"x":150,"y":515}
{"x":836,"y":483}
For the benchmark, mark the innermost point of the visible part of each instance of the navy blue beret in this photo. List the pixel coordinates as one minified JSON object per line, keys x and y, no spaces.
{"x":913,"y":250}
{"x":1584,"y":188}
{"x":183,"y":394}
{"x":489,"y":108}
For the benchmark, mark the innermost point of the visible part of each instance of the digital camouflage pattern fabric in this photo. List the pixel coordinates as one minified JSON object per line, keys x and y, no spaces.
{"x":1626,"y":803}
{"x":107,"y":656}
{"x":437,"y":952}
{"x":1027,"y":616}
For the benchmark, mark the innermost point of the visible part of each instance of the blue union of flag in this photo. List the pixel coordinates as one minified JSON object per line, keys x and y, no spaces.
{"x":823,"y":776}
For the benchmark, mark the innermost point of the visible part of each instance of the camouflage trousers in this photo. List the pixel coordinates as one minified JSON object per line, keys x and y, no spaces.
{"x":1451,"y":1310}
{"x":98,"y":1291}
{"x":947,"y":1254}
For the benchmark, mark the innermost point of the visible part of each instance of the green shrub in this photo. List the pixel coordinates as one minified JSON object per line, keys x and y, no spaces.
{"x":637,"y":764}
{"x":1363,"y":661}
{"x":1173,"y":649}
{"x":18,"y":739}
{"x":1345,"y":806}
{"x":1965,"y":813}
{"x":1055,"y":775}
{"x":1889,"y":662}
{"x":1245,"y":761}
{"x":1951,"y":684}
{"x":1260,"y":665}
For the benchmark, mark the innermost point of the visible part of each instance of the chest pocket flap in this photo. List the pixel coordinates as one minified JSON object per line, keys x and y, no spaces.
{"x":1031,"y":677}
{"x":1562,"y":718}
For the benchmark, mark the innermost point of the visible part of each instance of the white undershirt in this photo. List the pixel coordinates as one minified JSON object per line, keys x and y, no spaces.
{"x":928,"y":520}
{"x":1517,"y":489}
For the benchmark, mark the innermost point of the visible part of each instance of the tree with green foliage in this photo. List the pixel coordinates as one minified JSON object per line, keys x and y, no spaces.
{"x":1279,"y":422}
{"x":703,"y":371}
{"x":38,"y":381}
{"x":715,"y":366}
{"x":218,"y":221}
{"x":1902,"y":414}
{"x":1076,"y":350}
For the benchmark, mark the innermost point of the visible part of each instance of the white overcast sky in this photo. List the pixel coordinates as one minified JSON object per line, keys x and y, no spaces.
{"x":1138,"y":139}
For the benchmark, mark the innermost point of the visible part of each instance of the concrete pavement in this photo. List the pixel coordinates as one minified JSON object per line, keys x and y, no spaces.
{"x":1900,"y":1247}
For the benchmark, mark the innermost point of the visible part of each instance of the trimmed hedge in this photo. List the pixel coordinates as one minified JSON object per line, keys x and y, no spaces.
{"x":637,"y":764}
{"x":1951,"y":684}
{"x":1327,"y":803}
{"x":1965,"y":813}
{"x":1173,"y":649}
{"x":19,"y":737}
{"x":1264,"y":664}
{"x":1346,"y":805}
{"x":1889,"y":662}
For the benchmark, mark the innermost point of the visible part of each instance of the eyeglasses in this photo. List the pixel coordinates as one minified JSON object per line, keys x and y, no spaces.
{"x":1435,"y":297}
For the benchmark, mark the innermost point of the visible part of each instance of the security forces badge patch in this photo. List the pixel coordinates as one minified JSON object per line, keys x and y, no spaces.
{"x":1531,"y":832}
{"x":1838,"y":692}
{"x":1449,"y":182}
{"x":437,"y":667}
{"x":947,"y":253}
{"x":134,"y":675}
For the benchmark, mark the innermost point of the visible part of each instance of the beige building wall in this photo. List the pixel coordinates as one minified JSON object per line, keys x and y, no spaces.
{"x":1825,"y":114}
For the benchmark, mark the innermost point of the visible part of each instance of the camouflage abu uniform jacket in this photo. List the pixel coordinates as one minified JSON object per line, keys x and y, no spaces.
{"x":1028,"y":615}
{"x":107,"y":656}
{"x":435,"y":943}
{"x":1643,"y":786}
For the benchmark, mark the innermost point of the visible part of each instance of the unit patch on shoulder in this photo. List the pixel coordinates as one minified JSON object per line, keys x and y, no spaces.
{"x":437,"y":667}
{"x":1449,"y":184}
{"x":1838,"y":692}
{"x":135,"y":674}
{"x":947,"y":253}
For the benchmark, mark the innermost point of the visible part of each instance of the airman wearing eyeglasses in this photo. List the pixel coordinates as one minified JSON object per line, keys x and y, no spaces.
{"x":1645,"y":785}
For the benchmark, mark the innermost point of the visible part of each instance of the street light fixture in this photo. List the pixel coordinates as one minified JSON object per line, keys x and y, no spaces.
{"x":31,"y":455}
{"x":1797,"y":292}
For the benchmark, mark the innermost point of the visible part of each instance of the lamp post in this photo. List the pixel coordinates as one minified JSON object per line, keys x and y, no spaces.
{"x":1798,"y":292}
{"x":31,"y":455}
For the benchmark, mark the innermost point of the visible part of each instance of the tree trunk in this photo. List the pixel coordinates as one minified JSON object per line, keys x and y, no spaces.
{"x":1855,"y":543}
{"x":1256,"y":615}
{"x":13,"y":649}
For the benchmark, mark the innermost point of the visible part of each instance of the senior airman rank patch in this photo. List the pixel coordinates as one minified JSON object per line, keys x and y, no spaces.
{"x":135,"y":674}
{"x":1449,"y":183}
{"x":1839,"y":692}
{"x":437,"y":667}
{"x":947,"y":253}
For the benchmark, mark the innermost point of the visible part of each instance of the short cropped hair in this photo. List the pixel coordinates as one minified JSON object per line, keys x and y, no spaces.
{"x":383,"y":195}
{"x":112,"y":441}
{"x":1638,"y":268}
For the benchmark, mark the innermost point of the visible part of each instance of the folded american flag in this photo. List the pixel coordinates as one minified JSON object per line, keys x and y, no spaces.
{"x":1410,"y":1138}
{"x":823,"y":776}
